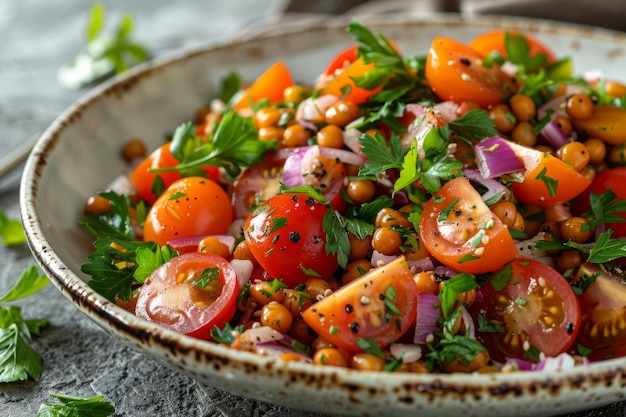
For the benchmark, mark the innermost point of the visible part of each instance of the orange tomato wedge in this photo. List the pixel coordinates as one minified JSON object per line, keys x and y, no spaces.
{"x":493,"y":40}
{"x":344,"y":85}
{"x":270,"y":85}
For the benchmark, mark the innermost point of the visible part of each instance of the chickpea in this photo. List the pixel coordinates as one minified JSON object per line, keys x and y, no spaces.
{"x":426,"y":282}
{"x":330,"y":136}
{"x":567,"y":261}
{"x":519,"y":224}
{"x":295,"y":135}
{"x":589,"y":171}
{"x":242,"y":251}
{"x":355,"y":270}
{"x":316,"y":287}
{"x":276,"y":316}
{"x":329,"y":356}
{"x":134,"y":149}
{"x":291,"y":357}
{"x":302,"y":332}
{"x":615,"y":89}
{"x":597,"y":150}
{"x":481,"y":360}
{"x":522,"y":107}
{"x":97,"y":205}
{"x":574,"y":154}
{"x":565,"y":124}
{"x":506,"y":212}
{"x":417,"y":367}
{"x":266,"y":117}
{"x":575,"y":229}
{"x":502,"y":117}
{"x":296,"y":93}
{"x":579,"y":106}
{"x":464,"y":152}
{"x":617,"y":155}
{"x":341,"y":113}
{"x":295,"y":301}
{"x":387,"y":241}
{"x":271,"y":132}
{"x":359,"y":248}
{"x":367,"y":362}
{"x":214,"y":245}
{"x":360,"y":191}
{"x":263,"y":293}
{"x":524,"y":135}
{"x":390,"y":217}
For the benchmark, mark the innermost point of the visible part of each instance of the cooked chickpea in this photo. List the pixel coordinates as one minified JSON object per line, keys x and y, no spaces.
{"x":242,"y":251}
{"x":296,"y":135}
{"x":355,"y":270}
{"x":266,"y":117}
{"x":524,"y":134}
{"x":361,"y":191}
{"x":295,"y":301}
{"x":134,"y":149}
{"x":316,"y":287}
{"x":341,"y":113}
{"x":263,"y":293}
{"x":597,"y":150}
{"x":296,"y":93}
{"x":564,"y":123}
{"x":214,"y":245}
{"x":522,"y":107}
{"x":97,"y":205}
{"x":276,"y":316}
{"x":426,"y":282}
{"x":574,"y":154}
{"x":330,"y":136}
{"x":579,"y":106}
{"x":575,"y":229}
{"x":367,"y":362}
{"x":359,"y":248}
{"x":387,"y":217}
{"x":387,"y":241}
{"x":302,"y":332}
{"x":329,"y":356}
{"x":506,"y":212}
{"x":617,"y":155}
{"x":502,"y":117}
{"x":567,"y":261}
{"x":481,"y":360}
{"x":271,"y":132}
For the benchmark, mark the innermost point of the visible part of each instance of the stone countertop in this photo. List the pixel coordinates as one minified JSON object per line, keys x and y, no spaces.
{"x":79,"y":358}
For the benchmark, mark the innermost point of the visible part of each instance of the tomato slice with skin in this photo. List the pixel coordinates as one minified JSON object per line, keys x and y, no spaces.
{"x":460,"y":231}
{"x":456,"y":72}
{"x":344,"y":58}
{"x":338,"y":85}
{"x":286,"y":237}
{"x":143,"y":179}
{"x":547,"y":179}
{"x":270,"y":85}
{"x":493,"y":40}
{"x":381,"y":306}
{"x":603,"y":306}
{"x":173,"y":298}
{"x":611,"y":179}
{"x":536,"y":308}
{"x":191,"y":206}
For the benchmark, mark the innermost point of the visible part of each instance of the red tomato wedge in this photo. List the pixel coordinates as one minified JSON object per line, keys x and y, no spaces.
{"x":142,"y":179}
{"x":191,"y":206}
{"x":456,"y":72}
{"x":494,"y":40}
{"x":536,"y":307}
{"x":342,"y":60}
{"x":270,"y":85}
{"x":286,"y":237}
{"x":603,"y":306}
{"x":381,"y":306}
{"x":547,"y":179}
{"x":190,"y":294}
{"x":460,"y":231}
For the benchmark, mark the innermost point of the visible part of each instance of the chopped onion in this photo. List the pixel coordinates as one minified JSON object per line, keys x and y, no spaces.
{"x":236,"y":228}
{"x":515,"y":364}
{"x":277,"y":349}
{"x":495,"y":157}
{"x":528,"y":248}
{"x":562,"y":361}
{"x":496,"y":191}
{"x":313,"y":109}
{"x":470,"y":328}
{"x":424,"y":264}
{"x":378,"y":259}
{"x":446,"y":271}
{"x":243,"y":269}
{"x":428,"y":313}
{"x":292,"y":170}
{"x":351,"y":140}
{"x":448,"y":110}
{"x":408,"y":352}
{"x":187,"y":244}
{"x":251,"y":337}
{"x":347,"y":157}
{"x":553,"y":134}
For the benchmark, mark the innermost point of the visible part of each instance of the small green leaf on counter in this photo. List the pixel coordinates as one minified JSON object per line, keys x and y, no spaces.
{"x":30,"y":282}
{"x":11,"y":231}
{"x":76,"y":407}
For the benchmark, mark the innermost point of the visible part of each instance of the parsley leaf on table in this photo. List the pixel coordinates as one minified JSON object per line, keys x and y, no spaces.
{"x":30,"y":282}
{"x":11,"y":231}
{"x":76,"y":407}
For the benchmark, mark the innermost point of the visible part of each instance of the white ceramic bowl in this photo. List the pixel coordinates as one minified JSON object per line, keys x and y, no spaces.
{"x":78,"y":155}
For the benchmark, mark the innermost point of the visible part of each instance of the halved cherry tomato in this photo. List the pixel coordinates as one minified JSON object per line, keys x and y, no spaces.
{"x":536,"y":308}
{"x":606,"y":122}
{"x":286,"y":237}
{"x":190,"y":294}
{"x":191,"y":206}
{"x":603,"y":320}
{"x":342,"y":59}
{"x":143,"y":179}
{"x":460,"y":231}
{"x":547,"y":179}
{"x":270,"y":85}
{"x":381,"y":306}
{"x":493,"y":40}
{"x":611,"y":179}
{"x":343,"y":84}
{"x":456,"y":72}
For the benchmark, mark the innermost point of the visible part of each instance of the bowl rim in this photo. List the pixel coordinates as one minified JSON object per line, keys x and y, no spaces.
{"x":114,"y":319}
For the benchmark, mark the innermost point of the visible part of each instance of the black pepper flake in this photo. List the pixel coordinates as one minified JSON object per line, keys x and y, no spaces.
{"x":569,"y":328}
{"x":381,"y":296}
{"x":310,"y":201}
{"x":465,"y":62}
{"x":457,"y":213}
{"x":294,"y":198}
{"x":349,"y":308}
{"x":276,"y":237}
{"x":294,"y":237}
{"x":354,"y":328}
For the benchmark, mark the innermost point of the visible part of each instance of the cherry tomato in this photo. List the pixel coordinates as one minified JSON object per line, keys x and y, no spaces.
{"x":285,"y":236}
{"x":142,"y":179}
{"x":603,"y":306}
{"x":191,"y":206}
{"x":610,"y":179}
{"x":493,"y":40}
{"x":547,"y":179}
{"x":456,"y":72}
{"x":535,"y":308}
{"x":345,"y":81}
{"x":381,"y":306}
{"x":190,"y":294}
{"x":606,"y":122}
{"x":460,"y":231}
{"x":270,"y":85}
{"x":258,"y":183}
{"x":342,"y":59}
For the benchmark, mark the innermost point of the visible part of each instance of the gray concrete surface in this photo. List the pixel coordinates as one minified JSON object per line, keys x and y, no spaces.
{"x":79,"y":358}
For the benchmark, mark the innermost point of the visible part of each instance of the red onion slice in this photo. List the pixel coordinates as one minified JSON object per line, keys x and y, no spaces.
{"x":428,"y":314}
{"x":496,"y":157}
{"x":496,"y":191}
{"x":553,"y":134}
{"x":243,"y":269}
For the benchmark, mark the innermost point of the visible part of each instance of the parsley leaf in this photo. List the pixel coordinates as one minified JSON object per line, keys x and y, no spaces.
{"x":607,"y":249}
{"x":475,"y":124}
{"x":518,"y":52}
{"x":76,"y":407}
{"x":114,"y":223}
{"x":148,"y":260}
{"x":602,"y":209}
{"x":30,"y":282}
{"x":451,"y":348}
{"x":458,"y":284}
{"x":381,"y":154}
{"x":11,"y":231}
{"x":337,"y":241}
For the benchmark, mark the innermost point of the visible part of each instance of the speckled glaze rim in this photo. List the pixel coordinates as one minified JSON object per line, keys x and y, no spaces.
{"x":597,"y":384}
